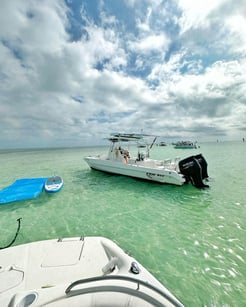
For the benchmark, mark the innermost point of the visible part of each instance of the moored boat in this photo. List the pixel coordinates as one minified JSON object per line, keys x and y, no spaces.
{"x":79,"y":271}
{"x":185,"y":145}
{"x":162,"y":144}
{"x":120,"y":161}
{"x":53,"y":184}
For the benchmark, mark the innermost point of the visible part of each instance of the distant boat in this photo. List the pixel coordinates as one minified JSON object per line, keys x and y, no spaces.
{"x":53,"y":184}
{"x":162,"y":144}
{"x":141,"y":145}
{"x":185,"y":145}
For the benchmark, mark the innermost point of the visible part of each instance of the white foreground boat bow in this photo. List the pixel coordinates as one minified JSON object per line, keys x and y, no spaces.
{"x":90,"y":271}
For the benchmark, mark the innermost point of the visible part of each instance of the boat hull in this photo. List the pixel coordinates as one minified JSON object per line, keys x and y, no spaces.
{"x":137,"y":169}
{"x":80,"y":271}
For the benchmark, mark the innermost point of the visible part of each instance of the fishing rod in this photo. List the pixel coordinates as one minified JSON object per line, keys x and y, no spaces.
{"x":16,"y":234}
{"x":148,"y":148}
{"x":153,"y":142}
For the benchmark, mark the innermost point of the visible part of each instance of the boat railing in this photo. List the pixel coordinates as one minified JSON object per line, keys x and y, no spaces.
{"x":109,"y":287}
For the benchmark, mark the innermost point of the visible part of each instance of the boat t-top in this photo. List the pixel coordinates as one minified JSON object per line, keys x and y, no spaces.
{"x":120,"y":161}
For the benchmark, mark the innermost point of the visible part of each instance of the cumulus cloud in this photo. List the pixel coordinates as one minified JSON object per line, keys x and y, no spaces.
{"x":124,"y":67}
{"x":152,"y":43}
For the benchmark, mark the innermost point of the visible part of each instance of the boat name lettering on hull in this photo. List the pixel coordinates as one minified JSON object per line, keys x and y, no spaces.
{"x":151,"y":175}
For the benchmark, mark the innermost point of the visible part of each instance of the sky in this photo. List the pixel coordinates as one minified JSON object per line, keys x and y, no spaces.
{"x":74,"y":71}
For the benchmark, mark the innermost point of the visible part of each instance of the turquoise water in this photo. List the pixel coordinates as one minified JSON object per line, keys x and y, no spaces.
{"x":192,"y":240}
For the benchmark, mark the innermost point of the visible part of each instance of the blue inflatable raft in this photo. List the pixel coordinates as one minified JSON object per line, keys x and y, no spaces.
{"x":22,"y":189}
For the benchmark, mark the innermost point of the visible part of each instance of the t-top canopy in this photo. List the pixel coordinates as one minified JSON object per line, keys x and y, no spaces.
{"x":126,"y":137}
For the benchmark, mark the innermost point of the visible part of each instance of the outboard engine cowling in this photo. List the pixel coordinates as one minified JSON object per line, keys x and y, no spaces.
{"x":194,"y":168}
{"x":203,"y":164}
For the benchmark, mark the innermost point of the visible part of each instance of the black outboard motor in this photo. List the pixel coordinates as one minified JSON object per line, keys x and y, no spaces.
{"x":201,"y":160}
{"x":194,"y":168}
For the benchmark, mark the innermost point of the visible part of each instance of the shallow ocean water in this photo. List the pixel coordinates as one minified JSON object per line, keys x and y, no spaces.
{"x":192,"y":240}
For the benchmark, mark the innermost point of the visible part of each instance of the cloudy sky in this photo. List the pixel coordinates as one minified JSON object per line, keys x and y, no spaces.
{"x":74,"y":71}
